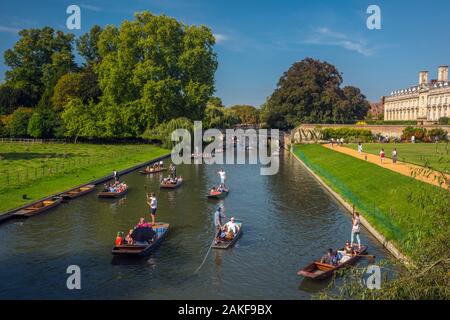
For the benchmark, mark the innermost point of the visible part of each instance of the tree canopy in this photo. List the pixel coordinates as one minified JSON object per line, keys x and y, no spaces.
{"x":134,"y":77}
{"x":310,"y":91}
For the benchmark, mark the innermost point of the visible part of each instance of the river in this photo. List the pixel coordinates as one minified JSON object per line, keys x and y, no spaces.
{"x":289,"y":219}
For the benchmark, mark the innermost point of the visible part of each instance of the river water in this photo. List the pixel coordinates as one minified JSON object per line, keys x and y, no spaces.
{"x":288,"y":219}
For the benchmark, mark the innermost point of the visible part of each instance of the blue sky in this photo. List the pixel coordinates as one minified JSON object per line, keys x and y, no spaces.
{"x":259,"y":40}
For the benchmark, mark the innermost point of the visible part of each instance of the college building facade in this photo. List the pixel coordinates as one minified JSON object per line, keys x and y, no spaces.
{"x":428,"y":101}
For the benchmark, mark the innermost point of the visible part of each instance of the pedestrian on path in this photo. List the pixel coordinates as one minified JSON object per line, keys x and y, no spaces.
{"x":382,"y":155}
{"x":360,"y":148}
{"x":394,"y":156}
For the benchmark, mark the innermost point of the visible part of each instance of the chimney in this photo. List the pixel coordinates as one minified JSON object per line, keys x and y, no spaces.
{"x":423,"y":77}
{"x":443,"y":73}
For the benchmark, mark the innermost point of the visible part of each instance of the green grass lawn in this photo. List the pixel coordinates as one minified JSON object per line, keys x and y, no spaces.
{"x":39,"y":170}
{"x":437,"y":156}
{"x":382,"y":196}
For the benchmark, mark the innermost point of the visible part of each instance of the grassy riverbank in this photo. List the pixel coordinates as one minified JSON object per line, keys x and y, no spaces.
{"x":436,"y":156}
{"x":39,"y":170}
{"x":383,"y":196}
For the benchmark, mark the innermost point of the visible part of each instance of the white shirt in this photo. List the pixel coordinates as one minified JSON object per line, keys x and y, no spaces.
{"x":222,"y":174}
{"x":161,"y":163}
{"x":153,"y":203}
{"x":232,"y":226}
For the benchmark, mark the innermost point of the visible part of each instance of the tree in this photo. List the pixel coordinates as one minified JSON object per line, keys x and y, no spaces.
{"x":44,"y":123}
{"x":310,"y":92}
{"x":167,"y":66}
{"x":81,"y":85}
{"x":87,"y":46}
{"x":18,"y":123}
{"x":163,"y":132}
{"x":11,"y":98}
{"x":80,"y":120}
{"x":217,"y":116}
{"x":247,"y":114}
{"x":38,"y":58}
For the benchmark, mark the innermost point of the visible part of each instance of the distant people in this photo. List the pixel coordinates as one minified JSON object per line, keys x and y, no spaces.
{"x":232,"y":226}
{"x":360,"y":148}
{"x":119,"y":239}
{"x":382,"y":156}
{"x":129,"y":239}
{"x":161,"y":164}
{"x":413,"y":139}
{"x":173,"y":170}
{"x":342,"y":141}
{"x":219,"y":216}
{"x":394,"y":156}
{"x":356,"y":229}
{"x":116,"y":176}
{"x":142,"y":223}
{"x":223,"y":177}
{"x":332,"y":143}
{"x":329,"y":258}
{"x":153,"y":204}
{"x":347,"y":253}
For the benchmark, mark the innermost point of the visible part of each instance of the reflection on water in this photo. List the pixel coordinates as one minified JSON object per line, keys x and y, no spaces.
{"x":289,"y":220}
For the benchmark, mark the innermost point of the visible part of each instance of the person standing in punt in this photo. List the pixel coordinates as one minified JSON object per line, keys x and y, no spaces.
{"x":153,"y":204}
{"x":219,"y":216}
{"x":356,"y":229}
{"x":223,"y":177}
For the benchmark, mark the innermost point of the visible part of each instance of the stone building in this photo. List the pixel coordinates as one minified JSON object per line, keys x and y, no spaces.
{"x":427,"y":102}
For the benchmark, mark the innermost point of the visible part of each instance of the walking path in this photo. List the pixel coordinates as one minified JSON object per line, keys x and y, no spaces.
{"x":432,"y":177}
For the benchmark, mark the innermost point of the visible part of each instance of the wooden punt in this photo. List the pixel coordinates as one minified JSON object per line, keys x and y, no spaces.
{"x":224,"y":244}
{"x":106,"y":194}
{"x":145,"y":171}
{"x":72,"y":194}
{"x":171,"y":185}
{"x":318,"y":270}
{"x":39,"y":207}
{"x":161,"y":229}
{"x":218,"y":195}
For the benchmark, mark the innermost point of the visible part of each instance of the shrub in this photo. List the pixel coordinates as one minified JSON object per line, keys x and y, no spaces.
{"x":440,"y":133}
{"x":349,"y":134}
{"x":18,"y":123}
{"x":444,"y":120}
{"x":419,"y":133}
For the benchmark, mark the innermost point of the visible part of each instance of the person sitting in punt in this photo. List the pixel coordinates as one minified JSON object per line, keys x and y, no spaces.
{"x":213,"y":190}
{"x":128,"y":239}
{"x":142,"y":223}
{"x":119,"y":239}
{"x":347,"y":253}
{"x":329,"y":258}
{"x":232,"y":226}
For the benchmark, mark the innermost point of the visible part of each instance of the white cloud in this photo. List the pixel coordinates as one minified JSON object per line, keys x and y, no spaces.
{"x":91,"y":7}
{"x":220,"y":38}
{"x":324,"y":36}
{"x":9,"y":29}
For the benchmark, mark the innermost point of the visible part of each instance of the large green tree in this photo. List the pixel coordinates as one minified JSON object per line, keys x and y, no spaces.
{"x":247,"y":114}
{"x":167,"y":66}
{"x":38,"y":59}
{"x":310,"y":91}
{"x":87,"y":46}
